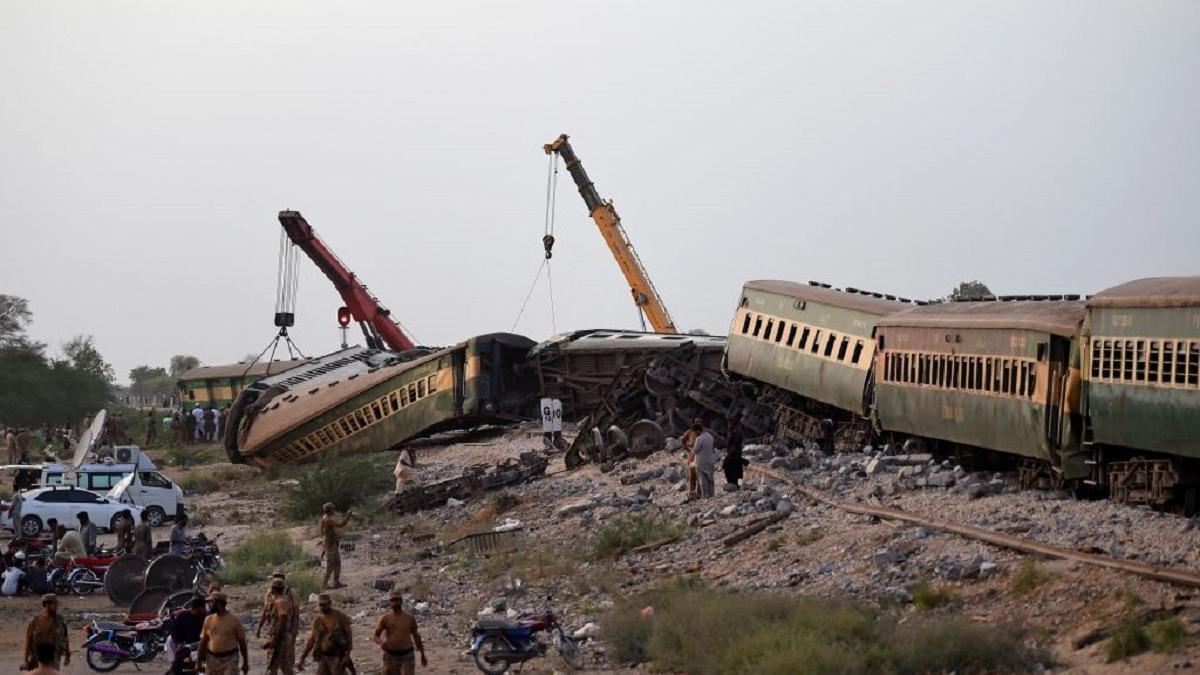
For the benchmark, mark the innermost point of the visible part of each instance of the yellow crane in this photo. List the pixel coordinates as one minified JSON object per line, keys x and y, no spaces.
{"x":605,"y":216}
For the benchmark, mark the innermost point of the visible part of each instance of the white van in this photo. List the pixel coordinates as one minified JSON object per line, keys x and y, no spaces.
{"x":156,"y":494}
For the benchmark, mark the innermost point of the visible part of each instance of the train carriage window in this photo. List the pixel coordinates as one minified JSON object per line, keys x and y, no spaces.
{"x":816,"y":343}
{"x":1168,"y":361}
{"x":987,"y":374}
{"x":955,"y":372}
{"x":858,"y":350}
{"x":1118,"y":360}
{"x":1139,"y":360}
{"x":845,"y":345}
{"x":757,"y":325}
{"x":1127,"y":360}
{"x":943,"y":371}
{"x":779,"y":331}
{"x":1032,"y":379}
{"x":404,"y":397}
{"x":803,"y":338}
{"x":979,"y":373}
{"x":1004,"y":378}
{"x":1154,"y":362}
{"x":1181,"y":362}
{"x":1024,"y":371}
{"x":1106,"y":360}
{"x":791,"y":335}
{"x":746,"y":324}
{"x":395,"y":401}
{"x":431,"y":383}
{"x":412,"y":393}
{"x":1193,"y":377}
{"x":420,"y":388}
{"x":377,"y":409}
{"x":1095,"y":365}
{"x":829,"y":343}
{"x":766,"y":335}
{"x":923,"y":373}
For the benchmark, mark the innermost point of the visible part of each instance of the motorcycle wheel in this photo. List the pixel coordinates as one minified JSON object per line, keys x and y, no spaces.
{"x":569,"y":650}
{"x":102,"y":662}
{"x":488,"y":645}
{"x":85,"y":582}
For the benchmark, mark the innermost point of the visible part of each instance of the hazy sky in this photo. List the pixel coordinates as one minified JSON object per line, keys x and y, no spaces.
{"x":146,"y":148}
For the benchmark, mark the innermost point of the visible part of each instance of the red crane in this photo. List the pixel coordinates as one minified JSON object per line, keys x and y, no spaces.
{"x":380,"y":331}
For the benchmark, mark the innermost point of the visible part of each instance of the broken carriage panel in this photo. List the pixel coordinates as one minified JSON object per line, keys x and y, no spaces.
{"x":1141,"y":386}
{"x":814,"y":347}
{"x":578,"y":367}
{"x":369,"y":400}
{"x":996,"y":375}
{"x":474,"y":480}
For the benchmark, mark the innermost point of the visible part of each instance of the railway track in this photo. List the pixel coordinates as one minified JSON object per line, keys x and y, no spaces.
{"x":1165,"y":574}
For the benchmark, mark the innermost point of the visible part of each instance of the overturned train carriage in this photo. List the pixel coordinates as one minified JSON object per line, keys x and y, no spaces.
{"x":811,"y":348}
{"x":359,"y":399}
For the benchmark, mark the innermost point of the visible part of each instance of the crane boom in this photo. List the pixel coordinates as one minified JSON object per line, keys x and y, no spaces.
{"x":380,"y":331}
{"x":645,"y":296}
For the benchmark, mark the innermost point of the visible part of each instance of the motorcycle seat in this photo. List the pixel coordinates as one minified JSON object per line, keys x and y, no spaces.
{"x":112,"y":625}
{"x":496,"y":624}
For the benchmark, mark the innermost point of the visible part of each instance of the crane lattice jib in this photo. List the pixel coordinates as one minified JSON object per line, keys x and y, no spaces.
{"x":379,"y":328}
{"x":645,"y":295}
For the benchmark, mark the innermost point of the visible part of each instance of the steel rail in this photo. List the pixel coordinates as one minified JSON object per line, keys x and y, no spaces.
{"x":1158,"y":573}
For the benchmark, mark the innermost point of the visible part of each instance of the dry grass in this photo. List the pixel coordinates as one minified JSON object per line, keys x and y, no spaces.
{"x":927,"y":597}
{"x":1029,"y":577}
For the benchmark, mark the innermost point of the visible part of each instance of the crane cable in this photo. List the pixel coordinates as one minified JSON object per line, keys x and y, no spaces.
{"x":547,"y":243}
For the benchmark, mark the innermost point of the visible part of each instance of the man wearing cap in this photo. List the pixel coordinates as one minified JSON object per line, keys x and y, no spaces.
{"x":281,"y":612}
{"x":47,"y":628}
{"x":399,"y":631}
{"x":331,"y":543}
{"x":331,"y":639}
{"x":221,"y":638}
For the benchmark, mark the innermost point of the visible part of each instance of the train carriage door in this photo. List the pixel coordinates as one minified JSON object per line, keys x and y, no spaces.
{"x":458,"y":365}
{"x":1059,"y":350}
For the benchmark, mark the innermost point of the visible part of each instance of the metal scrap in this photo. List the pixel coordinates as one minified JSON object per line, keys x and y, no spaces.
{"x":474,"y":480}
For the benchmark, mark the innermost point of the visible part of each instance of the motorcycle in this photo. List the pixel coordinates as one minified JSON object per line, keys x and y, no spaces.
{"x":496,"y":644}
{"x":108,"y":645}
{"x":80,"y":576}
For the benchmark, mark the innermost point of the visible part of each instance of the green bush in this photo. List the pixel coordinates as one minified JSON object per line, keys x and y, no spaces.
{"x":203,"y":481}
{"x":629,"y":532}
{"x":1126,"y":641}
{"x":347,"y":482}
{"x":1166,"y":634}
{"x":926,"y":597}
{"x":708,"y":632}
{"x":1028,"y":577}
{"x":255,"y":558}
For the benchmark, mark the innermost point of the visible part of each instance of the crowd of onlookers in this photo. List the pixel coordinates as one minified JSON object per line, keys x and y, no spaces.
{"x":202,"y":424}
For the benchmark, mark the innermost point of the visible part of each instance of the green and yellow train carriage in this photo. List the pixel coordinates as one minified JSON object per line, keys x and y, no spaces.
{"x":1142,"y":386}
{"x":219,"y":386}
{"x":997,"y":375}
{"x":814,"y":346}
{"x":365,"y":400}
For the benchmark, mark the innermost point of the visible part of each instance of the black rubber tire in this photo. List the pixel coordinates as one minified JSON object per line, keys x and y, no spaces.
{"x":490,"y":643}
{"x":28,"y":523}
{"x":569,"y":651}
{"x":86,"y":588}
{"x":101,"y":662}
{"x":155,"y":516}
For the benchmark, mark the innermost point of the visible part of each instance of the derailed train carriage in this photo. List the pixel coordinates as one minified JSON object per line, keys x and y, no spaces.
{"x":1102,"y":394}
{"x":811,"y":348}
{"x":358,"y":400}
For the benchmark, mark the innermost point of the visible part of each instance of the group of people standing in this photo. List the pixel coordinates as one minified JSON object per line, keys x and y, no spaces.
{"x":700,"y":444}
{"x":202,"y":424}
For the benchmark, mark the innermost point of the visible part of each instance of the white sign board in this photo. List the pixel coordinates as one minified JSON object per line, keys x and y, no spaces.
{"x":551,"y":415}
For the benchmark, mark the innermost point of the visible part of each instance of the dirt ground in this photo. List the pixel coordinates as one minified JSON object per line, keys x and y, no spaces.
{"x":817,"y":551}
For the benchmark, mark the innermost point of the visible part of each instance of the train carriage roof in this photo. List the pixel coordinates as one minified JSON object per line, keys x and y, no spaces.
{"x":833,"y":297}
{"x":1058,"y":317}
{"x":1151,"y":292}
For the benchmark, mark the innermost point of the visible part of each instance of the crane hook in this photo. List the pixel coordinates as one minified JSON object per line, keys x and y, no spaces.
{"x":548,"y":242}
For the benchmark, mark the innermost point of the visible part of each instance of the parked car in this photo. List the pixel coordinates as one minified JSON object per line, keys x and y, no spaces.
{"x":32,"y":508}
{"x":150,"y":489}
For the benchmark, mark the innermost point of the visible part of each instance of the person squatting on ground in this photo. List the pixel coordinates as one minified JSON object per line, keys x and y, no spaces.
{"x":221,"y":638}
{"x":331,"y":541}
{"x":396,"y":634}
{"x":47,"y":628}
{"x":281,"y":615}
{"x":331,"y":640}
{"x":706,"y":460}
